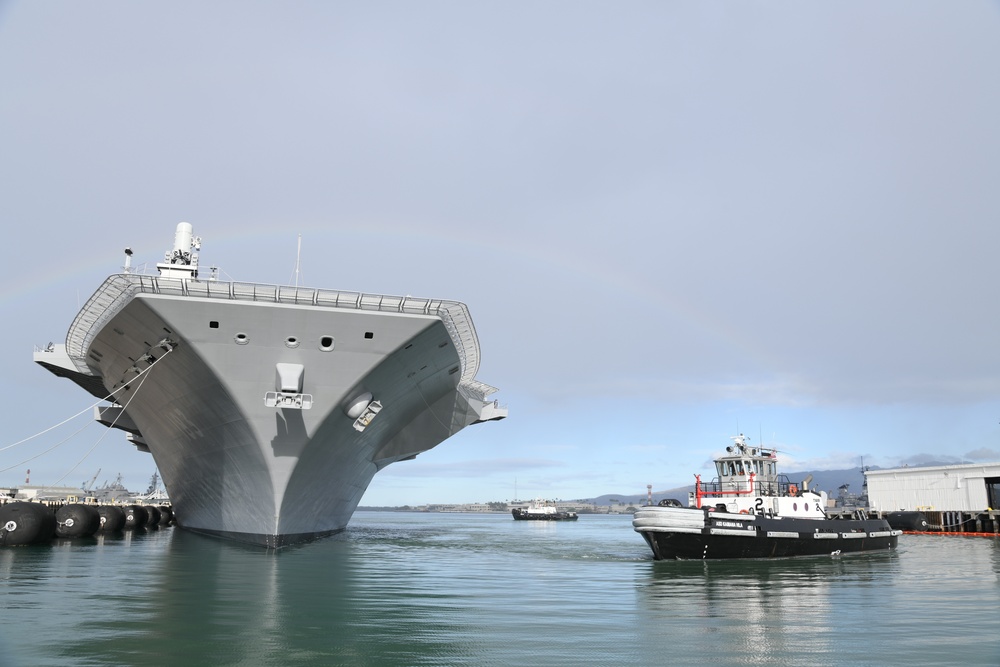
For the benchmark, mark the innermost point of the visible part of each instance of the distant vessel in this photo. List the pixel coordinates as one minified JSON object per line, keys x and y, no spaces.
{"x":540,"y":510}
{"x":750,"y":511}
{"x":268,"y":409}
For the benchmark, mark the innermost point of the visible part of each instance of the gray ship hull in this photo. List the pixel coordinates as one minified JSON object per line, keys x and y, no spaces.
{"x":199,"y":372}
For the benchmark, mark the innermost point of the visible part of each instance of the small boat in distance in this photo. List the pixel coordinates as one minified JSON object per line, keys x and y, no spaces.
{"x":750,"y":511}
{"x":541,"y":510}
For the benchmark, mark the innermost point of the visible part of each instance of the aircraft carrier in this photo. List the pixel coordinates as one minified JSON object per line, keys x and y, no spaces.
{"x":269,"y":408}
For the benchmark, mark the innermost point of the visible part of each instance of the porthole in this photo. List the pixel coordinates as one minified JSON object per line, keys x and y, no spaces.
{"x":369,"y":335}
{"x":213,"y":324}
{"x":241,"y":338}
{"x":292,"y":342}
{"x":326,"y":343}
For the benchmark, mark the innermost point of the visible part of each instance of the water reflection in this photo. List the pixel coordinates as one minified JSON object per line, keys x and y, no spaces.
{"x":341,"y":601}
{"x":472,"y":590}
{"x":205,"y":601}
{"x":763,"y":610}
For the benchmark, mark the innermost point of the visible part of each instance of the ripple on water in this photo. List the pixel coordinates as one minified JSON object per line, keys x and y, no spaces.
{"x":453,"y":589}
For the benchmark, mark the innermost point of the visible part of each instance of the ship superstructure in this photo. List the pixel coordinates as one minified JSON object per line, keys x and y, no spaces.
{"x":268,"y":409}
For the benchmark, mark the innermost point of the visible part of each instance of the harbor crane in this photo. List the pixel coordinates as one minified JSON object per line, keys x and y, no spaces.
{"x":89,"y":485}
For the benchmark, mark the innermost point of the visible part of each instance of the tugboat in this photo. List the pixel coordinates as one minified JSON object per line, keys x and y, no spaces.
{"x":750,"y":511}
{"x":540,"y":510}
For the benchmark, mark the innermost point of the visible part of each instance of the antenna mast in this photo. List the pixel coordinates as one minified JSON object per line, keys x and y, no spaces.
{"x":298,"y":254}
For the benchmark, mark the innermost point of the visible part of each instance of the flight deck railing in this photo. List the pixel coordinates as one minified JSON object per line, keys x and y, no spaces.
{"x":117,"y":290}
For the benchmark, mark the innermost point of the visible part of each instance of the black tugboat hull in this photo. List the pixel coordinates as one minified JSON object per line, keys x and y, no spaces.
{"x":722,"y":536}
{"x":681,"y":546}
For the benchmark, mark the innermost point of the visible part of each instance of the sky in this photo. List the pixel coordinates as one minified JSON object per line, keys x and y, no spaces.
{"x":671,"y":221}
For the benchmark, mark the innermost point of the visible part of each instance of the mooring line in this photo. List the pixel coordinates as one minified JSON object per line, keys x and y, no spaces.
{"x":90,"y":407}
{"x":108,"y":430}
{"x":61,"y":442}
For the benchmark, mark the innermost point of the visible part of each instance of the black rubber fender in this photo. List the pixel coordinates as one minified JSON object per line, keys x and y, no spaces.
{"x":166,"y":515}
{"x":77,"y":520}
{"x":913,"y":521}
{"x":136,"y":517}
{"x":154,"y":516}
{"x":26,"y":523}
{"x":112,"y":518}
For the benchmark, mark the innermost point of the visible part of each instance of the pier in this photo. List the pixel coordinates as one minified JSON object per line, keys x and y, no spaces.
{"x":985,"y":523}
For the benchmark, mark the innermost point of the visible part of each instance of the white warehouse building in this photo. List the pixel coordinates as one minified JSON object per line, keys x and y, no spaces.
{"x":970,"y":487}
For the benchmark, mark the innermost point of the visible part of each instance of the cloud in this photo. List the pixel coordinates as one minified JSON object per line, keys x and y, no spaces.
{"x":832,"y":461}
{"x":983,"y":454}
{"x":658,"y":220}
{"x":930,"y":460}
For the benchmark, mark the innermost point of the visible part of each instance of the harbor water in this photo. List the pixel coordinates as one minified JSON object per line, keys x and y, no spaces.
{"x":482,"y":589}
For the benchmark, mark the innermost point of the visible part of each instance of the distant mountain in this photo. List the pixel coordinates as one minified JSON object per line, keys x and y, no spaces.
{"x":823,"y":480}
